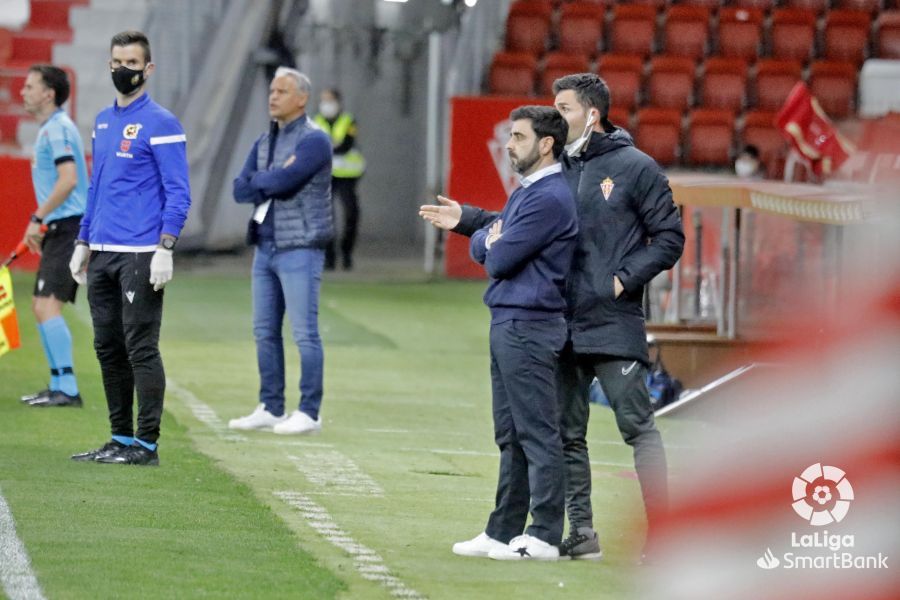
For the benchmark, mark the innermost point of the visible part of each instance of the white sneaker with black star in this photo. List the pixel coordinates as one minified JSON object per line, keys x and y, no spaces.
{"x":298,"y":423}
{"x":258,"y":419}
{"x":478,"y":546}
{"x":525,"y":547}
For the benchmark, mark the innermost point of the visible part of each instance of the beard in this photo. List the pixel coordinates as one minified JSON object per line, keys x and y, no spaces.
{"x":524,"y":164}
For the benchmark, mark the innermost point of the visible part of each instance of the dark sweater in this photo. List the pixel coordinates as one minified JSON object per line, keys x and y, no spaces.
{"x":528,"y":264}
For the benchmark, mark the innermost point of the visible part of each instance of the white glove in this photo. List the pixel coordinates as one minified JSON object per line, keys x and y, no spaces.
{"x":79,"y":262}
{"x":161,"y":268}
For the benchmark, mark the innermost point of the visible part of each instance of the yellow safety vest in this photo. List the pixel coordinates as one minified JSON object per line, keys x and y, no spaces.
{"x":343,"y":166}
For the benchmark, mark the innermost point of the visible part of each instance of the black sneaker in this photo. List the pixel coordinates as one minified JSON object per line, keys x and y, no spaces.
{"x":110,"y":447}
{"x":58,"y":398}
{"x":582,"y":544}
{"x":132,"y":455}
{"x":29,"y":398}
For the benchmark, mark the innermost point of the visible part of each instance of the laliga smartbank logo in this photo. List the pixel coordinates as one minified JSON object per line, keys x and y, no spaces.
{"x":822,"y":496}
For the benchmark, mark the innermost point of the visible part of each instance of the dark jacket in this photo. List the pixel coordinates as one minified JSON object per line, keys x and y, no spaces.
{"x":528,"y":264}
{"x":291,"y":166}
{"x":634,"y":233}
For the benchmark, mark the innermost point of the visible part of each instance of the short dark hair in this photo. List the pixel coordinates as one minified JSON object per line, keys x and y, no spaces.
{"x":126,"y":38}
{"x":335,"y":92}
{"x":55,"y":79}
{"x":590,"y":89}
{"x":546,"y":122}
{"x":751,"y":150}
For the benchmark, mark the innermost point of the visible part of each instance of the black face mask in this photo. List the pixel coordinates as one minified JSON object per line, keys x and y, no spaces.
{"x":127,"y":80}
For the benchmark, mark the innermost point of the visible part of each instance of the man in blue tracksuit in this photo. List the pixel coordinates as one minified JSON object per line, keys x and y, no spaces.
{"x":137,"y":205}
{"x":287,"y":178}
{"x":527,"y":252}
{"x":629,"y":231}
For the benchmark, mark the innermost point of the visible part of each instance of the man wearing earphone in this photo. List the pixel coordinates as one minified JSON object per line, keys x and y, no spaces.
{"x":629,"y":231}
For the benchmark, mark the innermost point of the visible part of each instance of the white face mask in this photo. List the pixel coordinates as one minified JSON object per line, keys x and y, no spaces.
{"x":745,"y":167}
{"x":329,"y":109}
{"x":575,"y":148}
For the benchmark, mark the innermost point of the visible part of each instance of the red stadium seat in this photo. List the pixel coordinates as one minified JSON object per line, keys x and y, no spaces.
{"x":658,"y":133}
{"x":528,"y":26}
{"x":623,"y":75}
{"x":817,"y":6}
{"x":870,"y":6}
{"x":654,"y":4}
{"x":712,"y":5}
{"x":760,"y":131}
{"x":581,"y":28}
{"x":6,"y":45}
{"x":763,"y":5}
{"x":774,"y":81}
{"x":671,"y":82}
{"x":686,"y":32}
{"x":710,"y":137}
{"x":633,"y":29}
{"x":833,"y":83}
{"x":740,"y":32}
{"x":724,"y":83}
{"x":889,"y":34}
{"x":847,"y":35}
{"x":620,"y":116}
{"x":512,"y":73}
{"x":793,"y":33}
{"x":558,"y":64}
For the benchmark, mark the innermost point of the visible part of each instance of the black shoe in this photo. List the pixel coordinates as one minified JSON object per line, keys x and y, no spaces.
{"x":132,"y":455}
{"x":58,"y":398}
{"x":348,"y":263}
{"x":110,"y":447}
{"x":29,"y":398}
{"x":582,"y":544}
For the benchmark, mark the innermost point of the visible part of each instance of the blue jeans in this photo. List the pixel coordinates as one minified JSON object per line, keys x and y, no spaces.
{"x":288,"y":280}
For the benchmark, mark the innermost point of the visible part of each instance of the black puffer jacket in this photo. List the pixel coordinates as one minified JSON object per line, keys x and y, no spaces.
{"x":629,"y":227}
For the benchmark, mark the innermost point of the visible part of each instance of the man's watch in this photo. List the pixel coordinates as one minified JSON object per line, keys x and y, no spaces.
{"x":167,"y":243}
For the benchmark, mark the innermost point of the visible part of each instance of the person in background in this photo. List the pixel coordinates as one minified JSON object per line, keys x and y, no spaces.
{"x":60,"y":180}
{"x":747,"y":164}
{"x":347,"y":167}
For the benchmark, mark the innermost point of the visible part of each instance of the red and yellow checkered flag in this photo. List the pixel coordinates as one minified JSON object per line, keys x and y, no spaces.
{"x":9,"y":325}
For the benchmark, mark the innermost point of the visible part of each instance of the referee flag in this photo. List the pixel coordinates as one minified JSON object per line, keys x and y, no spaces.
{"x":9,"y":326}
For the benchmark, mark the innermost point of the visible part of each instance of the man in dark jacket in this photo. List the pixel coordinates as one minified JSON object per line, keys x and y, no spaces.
{"x":629,"y":231}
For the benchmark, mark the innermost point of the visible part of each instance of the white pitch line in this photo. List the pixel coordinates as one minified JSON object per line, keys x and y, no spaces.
{"x":204,"y":413}
{"x":16,"y":577}
{"x":335,"y":474}
{"x":367,"y":562}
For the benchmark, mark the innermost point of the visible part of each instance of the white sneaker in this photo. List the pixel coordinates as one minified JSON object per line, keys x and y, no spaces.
{"x":478,"y":546}
{"x":258,"y":419}
{"x":525,"y":547}
{"x":298,"y":423}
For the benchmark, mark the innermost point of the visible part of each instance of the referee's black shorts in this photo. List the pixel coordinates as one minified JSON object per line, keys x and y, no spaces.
{"x":53,"y":276}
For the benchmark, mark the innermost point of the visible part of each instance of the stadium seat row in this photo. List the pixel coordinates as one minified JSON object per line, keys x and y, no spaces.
{"x":696,"y":30}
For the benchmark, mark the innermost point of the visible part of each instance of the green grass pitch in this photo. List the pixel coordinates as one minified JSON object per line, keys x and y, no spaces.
{"x":404,"y":467}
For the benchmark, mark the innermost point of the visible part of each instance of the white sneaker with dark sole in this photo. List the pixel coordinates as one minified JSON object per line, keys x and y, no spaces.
{"x":525,"y":547}
{"x":479,"y":546}
{"x":258,"y":419}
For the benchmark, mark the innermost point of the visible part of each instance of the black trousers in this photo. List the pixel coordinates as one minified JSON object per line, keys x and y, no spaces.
{"x":127,"y":314}
{"x":524,"y":358}
{"x":623,"y":382}
{"x":345,"y":189}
